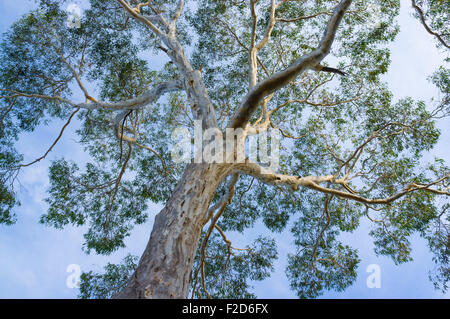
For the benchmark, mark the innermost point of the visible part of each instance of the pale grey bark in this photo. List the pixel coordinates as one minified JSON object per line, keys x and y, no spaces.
{"x":165,"y":268}
{"x":280,"y":79}
{"x":201,"y":105}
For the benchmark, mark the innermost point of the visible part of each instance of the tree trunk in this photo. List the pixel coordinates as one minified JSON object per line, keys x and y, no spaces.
{"x":165,"y":268}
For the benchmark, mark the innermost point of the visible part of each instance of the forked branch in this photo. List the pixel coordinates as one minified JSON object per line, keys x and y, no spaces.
{"x":280,"y":79}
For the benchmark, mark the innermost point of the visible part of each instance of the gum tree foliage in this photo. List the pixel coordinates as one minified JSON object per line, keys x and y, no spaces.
{"x":348,"y":150}
{"x":101,"y":286}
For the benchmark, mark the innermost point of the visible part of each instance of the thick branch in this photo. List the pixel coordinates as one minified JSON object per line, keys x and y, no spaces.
{"x":178,"y":12}
{"x":280,"y":79}
{"x":201,"y":105}
{"x":303,"y":17}
{"x":136,"y":14}
{"x":313,"y":182}
{"x":54,"y":143}
{"x":140,"y":101}
{"x":131,"y":104}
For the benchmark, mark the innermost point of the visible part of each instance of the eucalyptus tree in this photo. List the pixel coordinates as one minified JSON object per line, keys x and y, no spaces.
{"x":309,"y":70}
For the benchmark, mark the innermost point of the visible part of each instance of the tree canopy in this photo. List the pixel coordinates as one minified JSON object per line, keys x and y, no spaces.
{"x":311,"y":70}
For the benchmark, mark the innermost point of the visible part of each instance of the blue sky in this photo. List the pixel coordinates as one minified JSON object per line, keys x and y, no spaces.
{"x":34,"y":258}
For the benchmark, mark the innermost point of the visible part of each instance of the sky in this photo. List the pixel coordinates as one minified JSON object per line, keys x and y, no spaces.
{"x":34,"y":258}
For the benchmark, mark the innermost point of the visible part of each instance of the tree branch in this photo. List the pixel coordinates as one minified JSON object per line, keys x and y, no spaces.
{"x":54,"y":143}
{"x":422,"y":19}
{"x":201,"y":105}
{"x":136,"y":14}
{"x":280,"y":79}
{"x":313,"y":182}
{"x":131,"y":104}
{"x":140,"y":101}
{"x":221,"y":205}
